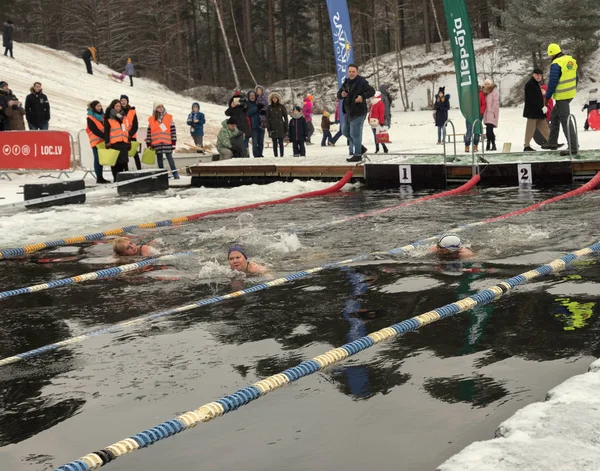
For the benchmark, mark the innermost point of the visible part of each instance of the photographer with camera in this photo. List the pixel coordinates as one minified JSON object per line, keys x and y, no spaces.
{"x":238,"y":109}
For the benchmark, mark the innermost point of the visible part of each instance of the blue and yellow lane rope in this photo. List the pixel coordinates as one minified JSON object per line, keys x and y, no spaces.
{"x":234,"y":401}
{"x":95,"y":275}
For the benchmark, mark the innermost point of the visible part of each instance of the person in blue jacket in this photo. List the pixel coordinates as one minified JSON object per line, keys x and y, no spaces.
{"x":196,"y":122}
{"x":297,"y":132}
{"x":258,"y":133}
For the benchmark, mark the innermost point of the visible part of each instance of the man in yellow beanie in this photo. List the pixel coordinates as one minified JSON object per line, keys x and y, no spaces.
{"x":562,"y":86}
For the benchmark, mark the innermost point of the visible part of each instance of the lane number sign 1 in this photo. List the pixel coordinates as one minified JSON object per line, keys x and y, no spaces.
{"x":524,"y":172}
{"x":405,"y":175}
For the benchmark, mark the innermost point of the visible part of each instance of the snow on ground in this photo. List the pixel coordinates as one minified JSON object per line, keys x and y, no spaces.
{"x":562,"y":433}
{"x":69,"y":89}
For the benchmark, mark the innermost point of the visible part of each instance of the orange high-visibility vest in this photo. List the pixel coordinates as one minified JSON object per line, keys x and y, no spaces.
{"x":117,"y":132}
{"x":95,"y":140}
{"x":128,"y":122}
{"x":160,"y":133}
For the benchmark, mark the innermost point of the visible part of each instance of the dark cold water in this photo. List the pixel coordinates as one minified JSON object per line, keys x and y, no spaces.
{"x":404,"y":405}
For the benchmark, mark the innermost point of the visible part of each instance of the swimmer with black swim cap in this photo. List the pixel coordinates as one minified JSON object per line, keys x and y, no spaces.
{"x":238,"y":261}
{"x":450,"y":246}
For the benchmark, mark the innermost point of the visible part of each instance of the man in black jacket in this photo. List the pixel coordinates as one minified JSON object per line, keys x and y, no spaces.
{"x":534,"y":110}
{"x":37,"y":109}
{"x":355,"y":92}
{"x":7,"y":38}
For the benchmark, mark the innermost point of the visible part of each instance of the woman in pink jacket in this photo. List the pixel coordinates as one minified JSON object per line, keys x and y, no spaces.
{"x":492,"y":112}
{"x":377,"y":118}
{"x":307,"y":111}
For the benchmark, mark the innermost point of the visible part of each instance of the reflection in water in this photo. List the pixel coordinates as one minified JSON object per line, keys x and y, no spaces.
{"x":479,"y":391}
{"x":573,"y":314}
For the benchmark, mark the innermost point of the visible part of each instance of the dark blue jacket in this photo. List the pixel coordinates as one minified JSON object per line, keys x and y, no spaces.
{"x":253,"y":114}
{"x":297,"y":129}
{"x":196,"y":129}
{"x":441,"y":111}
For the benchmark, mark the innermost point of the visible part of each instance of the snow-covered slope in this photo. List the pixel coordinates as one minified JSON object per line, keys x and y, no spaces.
{"x":70,"y":89}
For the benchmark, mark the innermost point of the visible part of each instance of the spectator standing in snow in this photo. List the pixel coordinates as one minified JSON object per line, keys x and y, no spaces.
{"x":492,"y":112}
{"x":307,"y":111}
{"x":258,"y":134}
{"x":196,"y":121}
{"x":95,"y":132}
{"x":469,"y":124}
{"x":3,"y":104}
{"x":88,"y":56}
{"x":591,"y":105}
{"x":37,"y":109}
{"x":230,"y":141}
{"x":129,"y":70}
{"x":116,"y":137}
{"x":387,"y":100}
{"x":355,"y":91}
{"x":377,"y":118}
{"x":277,"y":122}
{"x":130,"y":121}
{"x":7,"y":38}
{"x":14,"y":113}
{"x":326,"y":129}
{"x":237,"y":109}
{"x":162,"y":136}
{"x":534,"y":110}
{"x":297,"y":132}
{"x":262,"y":99}
{"x":336,"y":120}
{"x":562,"y":86}
{"x":441,"y":108}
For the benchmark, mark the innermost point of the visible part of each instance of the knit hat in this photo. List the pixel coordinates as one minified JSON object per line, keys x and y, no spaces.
{"x":156,"y":104}
{"x":442,"y":90}
{"x":126,"y":97}
{"x":237,"y":248}
{"x":326,"y":113}
{"x":3,"y":84}
{"x":377,"y":94}
{"x":309,"y":97}
{"x":231,"y":120}
{"x":297,"y":108}
{"x":537,"y":70}
{"x":487,"y":83}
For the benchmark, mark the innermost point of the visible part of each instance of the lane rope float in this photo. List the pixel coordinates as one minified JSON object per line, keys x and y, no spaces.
{"x":113,"y":272}
{"x":280,"y":281}
{"x":28,"y":249}
{"x":244,"y":396}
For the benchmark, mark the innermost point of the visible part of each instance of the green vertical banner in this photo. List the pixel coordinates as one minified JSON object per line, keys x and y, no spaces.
{"x":461,"y":41}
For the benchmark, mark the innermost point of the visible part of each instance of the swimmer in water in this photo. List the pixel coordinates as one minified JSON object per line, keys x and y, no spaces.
{"x":238,"y":261}
{"x":450,"y":246}
{"x":124,"y":247}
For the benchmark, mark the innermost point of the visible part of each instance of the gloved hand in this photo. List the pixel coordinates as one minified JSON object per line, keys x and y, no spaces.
{"x":545,"y":109}
{"x":107,"y":145}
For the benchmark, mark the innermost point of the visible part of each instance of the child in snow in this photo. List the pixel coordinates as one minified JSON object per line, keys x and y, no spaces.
{"x":377,"y":118}
{"x":326,"y":129}
{"x":590,"y":106}
{"x":196,"y":122}
{"x":297,"y":132}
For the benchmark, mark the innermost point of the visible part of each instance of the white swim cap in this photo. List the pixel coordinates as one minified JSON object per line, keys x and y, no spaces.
{"x":450,"y":242}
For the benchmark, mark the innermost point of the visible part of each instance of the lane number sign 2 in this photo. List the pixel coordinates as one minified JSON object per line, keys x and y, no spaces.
{"x":405,"y":175}
{"x":524,"y":173}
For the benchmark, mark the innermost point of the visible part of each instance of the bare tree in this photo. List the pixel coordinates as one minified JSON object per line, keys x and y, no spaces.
{"x":233,"y":69}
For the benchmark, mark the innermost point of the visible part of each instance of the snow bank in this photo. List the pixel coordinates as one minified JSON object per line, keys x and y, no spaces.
{"x":561,"y":433}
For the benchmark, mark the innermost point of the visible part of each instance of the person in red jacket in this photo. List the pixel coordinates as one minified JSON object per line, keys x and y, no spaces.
{"x":377,"y":118}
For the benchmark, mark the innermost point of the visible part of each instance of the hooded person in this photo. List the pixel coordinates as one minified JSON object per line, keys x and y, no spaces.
{"x":95,"y":132}
{"x":441,"y":108}
{"x":129,"y":71}
{"x":297,"y":132}
{"x":387,"y":100}
{"x":7,"y":38}
{"x":258,"y":133}
{"x":116,"y":136}
{"x":262,"y":98}
{"x":237,"y":109}
{"x":307,"y":111}
{"x":162,"y":136}
{"x":37,"y":108}
{"x":277,"y":122}
{"x":377,"y":118}
{"x":196,"y":121}
{"x":130,"y":121}
{"x":230,"y":140}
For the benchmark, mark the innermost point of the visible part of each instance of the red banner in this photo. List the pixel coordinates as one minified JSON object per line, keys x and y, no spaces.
{"x":35,"y":150}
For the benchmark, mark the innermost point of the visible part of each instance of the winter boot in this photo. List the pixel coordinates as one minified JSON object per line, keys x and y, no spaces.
{"x":385,"y":149}
{"x":488,"y":144}
{"x":467,"y":149}
{"x":493,"y":145}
